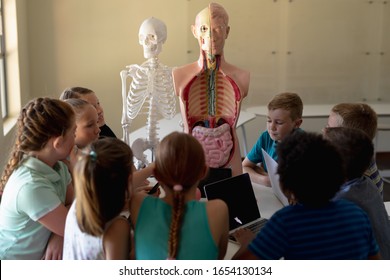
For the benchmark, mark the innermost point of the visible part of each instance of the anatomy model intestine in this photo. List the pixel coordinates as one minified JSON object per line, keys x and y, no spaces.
{"x":150,"y":91}
{"x":211,"y":91}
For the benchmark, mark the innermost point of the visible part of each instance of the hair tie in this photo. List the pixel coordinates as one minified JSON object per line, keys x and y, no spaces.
{"x":93,"y":155}
{"x":177,"y":188}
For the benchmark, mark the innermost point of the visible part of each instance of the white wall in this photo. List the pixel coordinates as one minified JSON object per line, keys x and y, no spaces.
{"x":328,"y":51}
{"x":325,"y":50}
{"x":87,"y":43}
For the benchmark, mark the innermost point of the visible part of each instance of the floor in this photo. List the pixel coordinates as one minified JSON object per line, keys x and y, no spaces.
{"x":383,"y":162}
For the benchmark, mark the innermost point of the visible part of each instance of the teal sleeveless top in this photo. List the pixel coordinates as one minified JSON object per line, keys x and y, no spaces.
{"x":152,"y":231}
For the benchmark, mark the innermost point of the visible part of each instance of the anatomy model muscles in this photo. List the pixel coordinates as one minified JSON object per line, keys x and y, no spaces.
{"x":211,"y":91}
{"x":150,"y":91}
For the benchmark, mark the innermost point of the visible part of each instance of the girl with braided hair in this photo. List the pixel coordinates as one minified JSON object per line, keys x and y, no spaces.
{"x":36,"y":185}
{"x":178,"y":226}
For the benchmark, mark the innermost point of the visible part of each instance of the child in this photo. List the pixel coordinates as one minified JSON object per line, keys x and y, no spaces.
{"x":284,"y":116}
{"x":87,"y":126}
{"x":90,"y":96}
{"x":178,"y":226}
{"x":311,"y":169}
{"x":102,"y":179}
{"x":360,"y":116}
{"x":86,"y":120}
{"x":36,"y":185}
{"x":357,"y":151}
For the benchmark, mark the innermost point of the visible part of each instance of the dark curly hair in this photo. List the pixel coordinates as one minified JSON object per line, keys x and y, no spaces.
{"x":310,"y":168}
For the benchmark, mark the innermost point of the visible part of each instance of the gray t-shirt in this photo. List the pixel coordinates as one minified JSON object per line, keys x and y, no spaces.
{"x":364,"y":193}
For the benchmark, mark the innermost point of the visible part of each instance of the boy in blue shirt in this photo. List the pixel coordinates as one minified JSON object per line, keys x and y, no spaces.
{"x":284,"y":116}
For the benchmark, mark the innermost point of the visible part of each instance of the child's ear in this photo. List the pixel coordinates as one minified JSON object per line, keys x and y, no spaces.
{"x":58,"y":141}
{"x":298,"y":123}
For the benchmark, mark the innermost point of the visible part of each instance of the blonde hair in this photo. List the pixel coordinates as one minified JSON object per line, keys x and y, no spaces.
{"x":75,"y":92}
{"x":78,"y":106}
{"x":101,"y":183}
{"x":359,"y":116}
{"x":287,"y":101}
{"x":180,"y":160}
{"x":39,"y":120}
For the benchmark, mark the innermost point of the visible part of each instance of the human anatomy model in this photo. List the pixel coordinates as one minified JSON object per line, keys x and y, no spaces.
{"x":211,"y":91}
{"x":151,"y":89}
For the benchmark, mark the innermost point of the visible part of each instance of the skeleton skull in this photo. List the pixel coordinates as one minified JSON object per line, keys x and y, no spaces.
{"x":152,"y":35}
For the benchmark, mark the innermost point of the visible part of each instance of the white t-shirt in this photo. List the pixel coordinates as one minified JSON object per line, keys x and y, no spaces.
{"x":79,"y":245}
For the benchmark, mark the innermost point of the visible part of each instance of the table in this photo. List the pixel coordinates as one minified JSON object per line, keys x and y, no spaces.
{"x":165,"y":127}
{"x":268,"y":204}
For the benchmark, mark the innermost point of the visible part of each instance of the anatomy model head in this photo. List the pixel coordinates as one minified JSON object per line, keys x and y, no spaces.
{"x":211,"y":28}
{"x":152,"y":35}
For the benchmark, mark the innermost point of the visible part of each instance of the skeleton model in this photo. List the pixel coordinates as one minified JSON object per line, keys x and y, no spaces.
{"x":151,"y":90}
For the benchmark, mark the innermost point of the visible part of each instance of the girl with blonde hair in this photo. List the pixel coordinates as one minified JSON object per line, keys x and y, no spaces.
{"x":102,"y":178}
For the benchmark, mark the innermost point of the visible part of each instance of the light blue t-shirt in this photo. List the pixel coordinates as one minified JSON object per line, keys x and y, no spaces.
{"x":263,"y":142}
{"x":152,"y":231}
{"x":33,"y":190}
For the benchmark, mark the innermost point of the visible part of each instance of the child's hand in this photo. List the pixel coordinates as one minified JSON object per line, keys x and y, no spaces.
{"x":266,"y":181}
{"x":292,"y":200}
{"x":146,"y":182}
{"x":244,"y":236}
{"x":54,"y":248}
{"x":146,"y":189}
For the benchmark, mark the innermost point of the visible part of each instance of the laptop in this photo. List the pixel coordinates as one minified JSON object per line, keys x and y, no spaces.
{"x":237,"y":192}
{"x":214,"y":175}
{"x":272,"y":167}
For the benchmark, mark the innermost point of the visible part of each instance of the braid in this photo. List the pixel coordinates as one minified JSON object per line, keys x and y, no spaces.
{"x":177,"y":218}
{"x":16,"y":152}
{"x":180,"y":178}
{"x":39,"y":120}
{"x":13,"y":162}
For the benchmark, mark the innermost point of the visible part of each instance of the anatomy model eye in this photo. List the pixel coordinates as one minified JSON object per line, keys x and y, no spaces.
{"x":203,"y":28}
